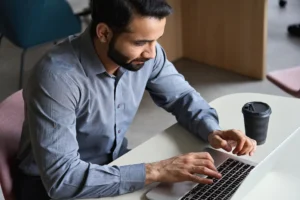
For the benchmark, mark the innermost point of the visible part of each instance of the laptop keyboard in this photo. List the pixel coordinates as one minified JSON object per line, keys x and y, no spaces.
{"x":233,"y":173}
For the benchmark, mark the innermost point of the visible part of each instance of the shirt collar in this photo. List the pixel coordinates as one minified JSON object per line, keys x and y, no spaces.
{"x":87,"y":54}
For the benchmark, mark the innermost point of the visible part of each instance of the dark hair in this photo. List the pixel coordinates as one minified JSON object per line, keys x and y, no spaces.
{"x":117,"y":14}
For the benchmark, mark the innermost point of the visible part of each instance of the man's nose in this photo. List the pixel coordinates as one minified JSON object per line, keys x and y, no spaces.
{"x":150,"y":52}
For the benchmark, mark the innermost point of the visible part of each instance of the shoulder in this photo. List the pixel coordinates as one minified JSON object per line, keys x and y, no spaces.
{"x":60,"y":59}
{"x":59,"y":64}
{"x":56,"y":72}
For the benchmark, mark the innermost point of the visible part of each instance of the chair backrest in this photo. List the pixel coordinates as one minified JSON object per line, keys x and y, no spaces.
{"x":11,"y":121}
{"x":287,"y":79}
{"x":32,"y":22}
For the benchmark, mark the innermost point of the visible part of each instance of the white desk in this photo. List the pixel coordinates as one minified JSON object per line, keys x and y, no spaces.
{"x":175,"y":140}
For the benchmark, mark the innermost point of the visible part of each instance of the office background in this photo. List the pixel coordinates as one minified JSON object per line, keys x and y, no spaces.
{"x":282,"y":52}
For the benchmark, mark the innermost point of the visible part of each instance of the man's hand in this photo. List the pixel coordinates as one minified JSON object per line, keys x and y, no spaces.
{"x":183,"y":168}
{"x":230,"y":139}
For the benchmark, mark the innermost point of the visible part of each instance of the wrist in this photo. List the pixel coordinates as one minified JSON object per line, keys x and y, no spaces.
{"x":152,"y":173}
{"x":211,"y":135}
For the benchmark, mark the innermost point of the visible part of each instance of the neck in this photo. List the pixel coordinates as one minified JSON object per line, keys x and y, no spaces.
{"x":101,"y":50}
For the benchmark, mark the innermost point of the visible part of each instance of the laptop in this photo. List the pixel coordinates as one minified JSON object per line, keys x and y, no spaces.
{"x":240,"y":176}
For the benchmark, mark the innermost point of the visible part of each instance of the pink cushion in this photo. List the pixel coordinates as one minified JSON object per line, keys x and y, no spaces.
{"x":287,"y":79}
{"x":11,"y":121}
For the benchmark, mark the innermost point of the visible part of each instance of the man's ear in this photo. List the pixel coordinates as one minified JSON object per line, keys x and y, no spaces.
{"x":104,"y":33}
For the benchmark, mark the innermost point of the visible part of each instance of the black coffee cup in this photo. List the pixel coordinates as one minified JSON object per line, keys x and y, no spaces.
{"x":256,"y":119}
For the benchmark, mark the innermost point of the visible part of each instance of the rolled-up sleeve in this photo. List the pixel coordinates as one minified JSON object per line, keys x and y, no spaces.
{"x":51,"y":104}
{"x":172,"y":92}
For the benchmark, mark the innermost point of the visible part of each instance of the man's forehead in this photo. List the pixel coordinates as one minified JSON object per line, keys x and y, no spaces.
{"x":145,"y":27}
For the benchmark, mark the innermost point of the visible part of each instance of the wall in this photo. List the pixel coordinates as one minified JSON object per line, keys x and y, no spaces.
{"x":172,"y":38}
{"x":227,"y":34}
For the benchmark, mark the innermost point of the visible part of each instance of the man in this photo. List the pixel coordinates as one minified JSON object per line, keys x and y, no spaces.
{"x":83,"y":95}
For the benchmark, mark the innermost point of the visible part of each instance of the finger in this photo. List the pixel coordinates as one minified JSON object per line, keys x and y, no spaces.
{"x":206,"y":171}
{"x":205,"y":163}
{"x":241,"y":139}
{"x":220,"y":143}
{"x":197,"y":179}
{"x":254,"y":147}
{"x":248,"y":146}
{"x":203,"y":155}
{"x":232,"y":135}
{"x":237,"y":136}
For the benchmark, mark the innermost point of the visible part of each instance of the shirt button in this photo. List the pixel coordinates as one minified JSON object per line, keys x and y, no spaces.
{"x":119,"y":106}
{"x":119,"y":131}
{"x":132,"y":188}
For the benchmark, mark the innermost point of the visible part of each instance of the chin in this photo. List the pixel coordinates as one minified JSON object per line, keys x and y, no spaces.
{"x":140,"y":66}
{"x":134,"y":68}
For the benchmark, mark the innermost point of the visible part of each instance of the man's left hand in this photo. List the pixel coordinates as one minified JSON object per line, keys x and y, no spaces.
{"x":232,"y":139}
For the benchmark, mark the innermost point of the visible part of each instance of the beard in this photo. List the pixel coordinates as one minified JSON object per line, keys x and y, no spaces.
{"x":121,"y":60}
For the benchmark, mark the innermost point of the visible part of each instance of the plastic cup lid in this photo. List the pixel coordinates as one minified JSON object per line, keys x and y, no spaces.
{"x":257,"y":109}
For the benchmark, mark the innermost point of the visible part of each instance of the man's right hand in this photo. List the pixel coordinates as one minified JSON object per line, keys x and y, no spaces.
{"x":183,"y":168}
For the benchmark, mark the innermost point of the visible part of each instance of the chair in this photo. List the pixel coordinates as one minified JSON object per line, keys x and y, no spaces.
{"x":11,"y":120}
{"x":287,"y":79}
{"x":34,"y":22}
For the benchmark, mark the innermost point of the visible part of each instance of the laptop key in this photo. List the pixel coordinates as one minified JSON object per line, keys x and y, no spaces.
{"x":246,"y":166}
{"x":234,"y":172}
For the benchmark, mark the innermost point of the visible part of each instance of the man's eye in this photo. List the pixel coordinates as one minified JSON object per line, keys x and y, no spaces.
{"x":139,"y":43}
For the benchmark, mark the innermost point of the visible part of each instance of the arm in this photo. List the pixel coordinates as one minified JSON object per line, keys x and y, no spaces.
{"x":51,"y":102}
{"x":170,"y":91}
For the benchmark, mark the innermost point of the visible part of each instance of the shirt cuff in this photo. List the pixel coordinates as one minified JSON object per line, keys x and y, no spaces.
{"x":133,"y":178}
{"x":207,"y":126}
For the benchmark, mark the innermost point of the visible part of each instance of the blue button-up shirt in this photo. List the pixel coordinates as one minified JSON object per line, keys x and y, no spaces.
{"x":77,"y":116}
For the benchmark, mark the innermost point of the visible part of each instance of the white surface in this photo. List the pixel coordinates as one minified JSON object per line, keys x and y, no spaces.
{"x":175,"y":140}
{"x":284,"y":119}
{"x":278,"y":173}
{"x":276,"y":186}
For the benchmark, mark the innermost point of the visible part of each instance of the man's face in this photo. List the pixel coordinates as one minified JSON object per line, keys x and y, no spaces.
{"x":132,"y":49}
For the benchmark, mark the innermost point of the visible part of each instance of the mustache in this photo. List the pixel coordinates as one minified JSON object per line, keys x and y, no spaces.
{"x":140,"y":60}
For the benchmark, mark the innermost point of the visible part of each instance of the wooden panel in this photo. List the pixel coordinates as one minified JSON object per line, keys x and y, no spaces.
{"x":230,"y":34}
{"x":172,"y":38}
